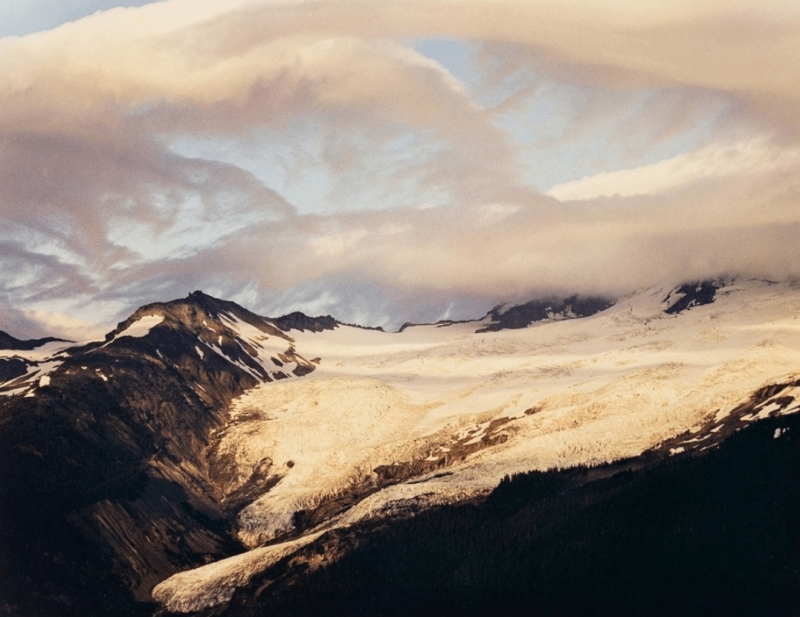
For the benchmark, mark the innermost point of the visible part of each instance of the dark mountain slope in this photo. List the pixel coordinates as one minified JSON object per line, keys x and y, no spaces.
{"x":715,"y":534}
{"x":104,"y":489}
{"x":9,"y":342}
{"x":11,"y":368}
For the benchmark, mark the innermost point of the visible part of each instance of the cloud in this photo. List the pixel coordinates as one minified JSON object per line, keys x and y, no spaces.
{"x":99,"y":201}
{"x":19,"y":18}
{"x":88,"y":110}
{"x":60,"y":325}
{"x":744,"y":48}
{"x":718,"y":162}
{"x":14,"y":322}
{"x":384,"y":266}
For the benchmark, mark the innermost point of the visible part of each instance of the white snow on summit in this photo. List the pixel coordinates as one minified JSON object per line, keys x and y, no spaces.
{"x":141,"y":327}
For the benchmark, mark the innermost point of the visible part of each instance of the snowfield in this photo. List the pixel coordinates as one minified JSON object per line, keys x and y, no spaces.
{"x":40,"y":362}
{"x":437,"y":414}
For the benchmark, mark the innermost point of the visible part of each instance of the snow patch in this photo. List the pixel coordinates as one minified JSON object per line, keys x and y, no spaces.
{"x":141,"y":327}
{"x":37,"y":375}
{"x":41,"y":362}
{"x":44,"y":352}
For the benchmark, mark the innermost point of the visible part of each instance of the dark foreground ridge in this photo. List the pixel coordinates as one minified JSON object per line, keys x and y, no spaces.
{"x":104,"y":484}
{"x":715,"y":534}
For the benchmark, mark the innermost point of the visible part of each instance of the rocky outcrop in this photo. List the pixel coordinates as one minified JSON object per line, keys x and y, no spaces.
{"x":301,"y":322}
{"x":523,"y":315}
{"x":770,"y":401}
{"x":12,"y":368}
{"x":689,"y":295}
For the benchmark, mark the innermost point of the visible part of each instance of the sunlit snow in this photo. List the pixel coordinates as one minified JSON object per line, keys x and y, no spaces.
{"x":141,"y":327}
{"x":559,"y":393}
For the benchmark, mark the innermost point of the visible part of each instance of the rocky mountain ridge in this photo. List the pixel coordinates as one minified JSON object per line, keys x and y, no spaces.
{"x":9,"y":342}
{"x":103,"y":447}
{"x":200,"y":445}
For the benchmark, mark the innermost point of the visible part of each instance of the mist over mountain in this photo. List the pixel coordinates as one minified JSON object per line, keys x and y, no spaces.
{"x":202,"y":459}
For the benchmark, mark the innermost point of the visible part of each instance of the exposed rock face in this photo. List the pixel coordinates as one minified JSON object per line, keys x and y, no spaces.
{"x":301,"y":322}
{"x":523,"y":315}
{"x":12,"y":368}
{"x":453,"y":450}
{"x":691,"y":294}
{"x":104,"y":485}
{"x":772,"y":401}
{"x":456,"y":450}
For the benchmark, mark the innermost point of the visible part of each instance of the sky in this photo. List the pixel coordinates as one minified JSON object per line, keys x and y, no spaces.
{"x":392,"y":161}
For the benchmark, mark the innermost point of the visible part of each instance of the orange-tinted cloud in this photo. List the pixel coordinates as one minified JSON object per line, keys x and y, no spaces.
{"x":96,"y":200}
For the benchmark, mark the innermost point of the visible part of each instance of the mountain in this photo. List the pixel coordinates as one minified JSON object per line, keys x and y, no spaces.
{"x":9,"y":342}
{"x":204,"y":459}
{"x":106,"y":489}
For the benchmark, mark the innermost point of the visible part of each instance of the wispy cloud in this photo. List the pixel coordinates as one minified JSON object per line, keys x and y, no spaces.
{"x":101,"y":198}
{"x":718,"y":162}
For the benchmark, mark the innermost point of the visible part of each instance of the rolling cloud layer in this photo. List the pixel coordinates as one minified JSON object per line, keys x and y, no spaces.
{"x":303,"y":154}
